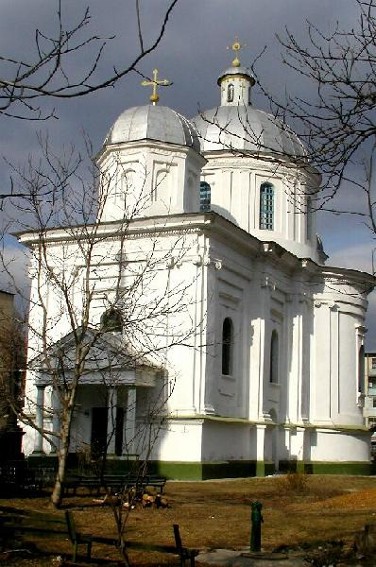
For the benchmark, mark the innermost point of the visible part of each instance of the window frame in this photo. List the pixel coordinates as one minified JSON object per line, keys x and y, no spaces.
{"x":230,"y":92}
{"x":361,"y":369}
{"x":205,"y":196}
{"x":227,"y":346}
{"x":274,"y":358}
{"x":111,"y":321}
{"x":267,"y":206}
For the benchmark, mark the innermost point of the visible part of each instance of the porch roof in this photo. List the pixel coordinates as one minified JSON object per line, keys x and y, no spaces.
{"x":94,"y":357}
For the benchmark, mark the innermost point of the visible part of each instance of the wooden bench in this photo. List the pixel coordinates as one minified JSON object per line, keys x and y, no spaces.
{"x":157,"y":482}
{"x":78,"y":538}
{"x":15,"y":524}
{"x":184,"y":553}
{"x":116,"y":483}
{"x":72,"y":483}
{"x":143,"y":482}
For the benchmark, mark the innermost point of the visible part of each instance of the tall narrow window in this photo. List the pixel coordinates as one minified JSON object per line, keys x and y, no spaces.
{"x":230,"y":93}
{"x":227,"y":346}
{"x":309,"y":219}
{"x":267,"y":206}
{"x":205,"y":196}
{"x":361,"y":370}
{"x":274,"y":356}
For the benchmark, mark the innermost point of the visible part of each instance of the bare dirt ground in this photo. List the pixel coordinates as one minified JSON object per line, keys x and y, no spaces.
{"x":300,"y":512}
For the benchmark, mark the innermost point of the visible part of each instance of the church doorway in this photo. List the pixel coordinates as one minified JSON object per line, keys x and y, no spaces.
{"x":98,"y":440}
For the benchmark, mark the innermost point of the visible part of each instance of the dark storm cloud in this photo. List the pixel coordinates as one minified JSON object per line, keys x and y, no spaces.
{"x":192,"y":54}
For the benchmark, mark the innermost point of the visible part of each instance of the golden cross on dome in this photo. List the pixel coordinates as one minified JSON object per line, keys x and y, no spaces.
{"x":236,"y":46}
{"x":155,"y":82}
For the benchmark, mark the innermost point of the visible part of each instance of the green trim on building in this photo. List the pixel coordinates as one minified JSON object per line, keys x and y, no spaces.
{"x":203,"y":471}
{"x":346,"y":468}
{"x":239,"y":469}
{"x":218,"y":469}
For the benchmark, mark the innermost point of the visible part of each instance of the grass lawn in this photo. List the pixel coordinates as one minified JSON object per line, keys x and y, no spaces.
{"x":298,"y":510}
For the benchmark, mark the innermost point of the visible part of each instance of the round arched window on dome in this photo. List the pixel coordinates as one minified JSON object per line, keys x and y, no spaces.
{"x":205,"y":196}
{"x":230,"y":93}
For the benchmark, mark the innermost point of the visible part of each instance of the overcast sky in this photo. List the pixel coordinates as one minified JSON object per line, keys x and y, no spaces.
{"x":192,"y":55}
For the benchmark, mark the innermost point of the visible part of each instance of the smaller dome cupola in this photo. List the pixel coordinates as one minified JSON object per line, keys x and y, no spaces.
{"x":256,"y":173}
{"x":236,"y":82}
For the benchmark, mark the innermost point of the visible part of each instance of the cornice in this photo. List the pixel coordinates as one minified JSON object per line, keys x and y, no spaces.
{"x":209,"y":224}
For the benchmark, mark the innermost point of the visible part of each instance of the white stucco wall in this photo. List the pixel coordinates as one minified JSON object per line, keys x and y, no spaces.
{"x":235,"y":188}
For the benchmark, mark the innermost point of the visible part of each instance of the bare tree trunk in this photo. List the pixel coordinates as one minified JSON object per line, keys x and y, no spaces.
{"x":57,"y":493}
{"x":63,"y":451}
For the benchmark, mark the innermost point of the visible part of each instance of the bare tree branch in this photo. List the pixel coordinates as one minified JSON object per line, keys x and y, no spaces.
{"x":24,"y":82}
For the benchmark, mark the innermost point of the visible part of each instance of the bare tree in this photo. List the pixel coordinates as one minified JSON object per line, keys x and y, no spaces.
{"x":25,"y":81}
{"x":50,"y":72}
{"x":105,"y":308}
{"x":12,"y":363}
{"x":335,"y":117}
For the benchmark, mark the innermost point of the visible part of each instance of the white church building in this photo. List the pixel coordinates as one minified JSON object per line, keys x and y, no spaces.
{"x":220,"y":341}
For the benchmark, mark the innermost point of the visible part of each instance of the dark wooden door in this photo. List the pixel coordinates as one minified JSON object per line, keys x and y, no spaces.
{"x":99,"y":421}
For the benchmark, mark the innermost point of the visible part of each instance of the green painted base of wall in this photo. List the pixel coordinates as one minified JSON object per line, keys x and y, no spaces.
{"x":239,"y":469}
{"x":213,"y":470}
{"x":203,"y":471}
{"x":264,"y":468}
{"x":347,"y":468}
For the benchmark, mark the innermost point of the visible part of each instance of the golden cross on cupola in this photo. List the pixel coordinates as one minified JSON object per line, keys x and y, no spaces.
{"x":236,"y":47}
{"x":155,"y":83}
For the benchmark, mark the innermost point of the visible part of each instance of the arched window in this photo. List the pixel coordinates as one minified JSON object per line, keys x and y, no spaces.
{"x":267,"y":206}
{"x":111,"y":320}
{"x":227,"y":346}
{"x":361,"y":370}
{"x":230,"y":93}
{"x":309,"y":219}
{"x":274,"y":356}
{"x":205,"y":196}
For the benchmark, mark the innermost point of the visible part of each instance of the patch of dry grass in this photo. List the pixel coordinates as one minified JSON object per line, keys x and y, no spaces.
{"x":297,"y":510}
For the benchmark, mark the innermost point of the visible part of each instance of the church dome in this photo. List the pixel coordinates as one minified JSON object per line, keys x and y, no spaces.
{"x":246,"y":128}
{"x":236,"y":125}
{"x":153,"y":122}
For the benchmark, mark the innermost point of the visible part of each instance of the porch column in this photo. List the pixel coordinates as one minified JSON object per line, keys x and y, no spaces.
{"x":111,"y":423}
{"x":39,"y":411}
{"x":56,"y":409}
{"x":130,"y":420}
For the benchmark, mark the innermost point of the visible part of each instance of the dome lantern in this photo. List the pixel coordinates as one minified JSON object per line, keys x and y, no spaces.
{"x":237,"y":125}
{"x":236,"y":82}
